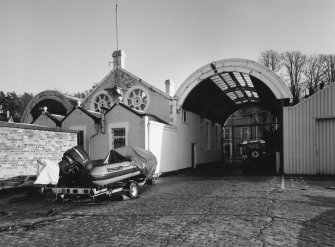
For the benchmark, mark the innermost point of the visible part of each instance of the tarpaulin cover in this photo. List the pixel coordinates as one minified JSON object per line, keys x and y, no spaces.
{"x":142,"y":158}
{"x":47,"y":172}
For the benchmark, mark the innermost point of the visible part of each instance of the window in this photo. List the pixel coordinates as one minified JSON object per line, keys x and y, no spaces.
{"x":81,"y":135}
{"x":102,"y":100}
{"x":80,"y":138}
{"x":118,"y":134}
{"x":119,"y":137}
{"x":208,"y":135}
{"x":217,"y":136}
{"x":184,"y":116}
{"x":137,"y":98}
{"x":227,"y":141}
{"x":245,"y":133}
{"x":227,"y":134}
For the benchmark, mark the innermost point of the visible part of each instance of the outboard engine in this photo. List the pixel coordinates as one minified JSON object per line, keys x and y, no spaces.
{"x":74,"y":168}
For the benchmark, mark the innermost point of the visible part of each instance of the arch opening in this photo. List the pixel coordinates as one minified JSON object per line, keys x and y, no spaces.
{"x":208,"y":100}
{"x":52,"y":105}
{"x":251,"y":128}
{"x":217,"y":90}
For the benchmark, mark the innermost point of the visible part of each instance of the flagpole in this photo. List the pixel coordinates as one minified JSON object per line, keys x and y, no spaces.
{"x":117,"y":31}
{"x":117,"y":44}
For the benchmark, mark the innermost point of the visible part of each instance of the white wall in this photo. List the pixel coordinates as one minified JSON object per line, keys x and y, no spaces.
{"x":194,"y":132}
{"x":161,"y":142}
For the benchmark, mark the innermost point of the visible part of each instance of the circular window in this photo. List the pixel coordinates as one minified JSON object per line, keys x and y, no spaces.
{"x":102,"y":100}
{"x":137,"y":98}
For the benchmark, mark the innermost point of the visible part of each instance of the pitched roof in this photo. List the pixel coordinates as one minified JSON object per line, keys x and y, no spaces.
{"x":57,"y":119}
{"x":151,"y":87}
{"x":151,"y":116}
{"x":96,"y":116}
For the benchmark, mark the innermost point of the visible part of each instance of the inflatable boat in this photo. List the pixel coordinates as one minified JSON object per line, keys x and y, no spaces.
{"x":112,"y":173}
{"x":122,"y":171}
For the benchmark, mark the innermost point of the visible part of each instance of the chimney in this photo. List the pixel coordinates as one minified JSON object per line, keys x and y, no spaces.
{"x":119,"y":58}
{"x":169,"y":87}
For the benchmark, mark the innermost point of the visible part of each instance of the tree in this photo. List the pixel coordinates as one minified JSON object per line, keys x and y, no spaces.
{"x":13,"y":104}
{"x":24,"y":101}
{"x":270,"y":59}
{"x":313,"y":73}
{"x":293,"y":63}
{"x":329,"y":68}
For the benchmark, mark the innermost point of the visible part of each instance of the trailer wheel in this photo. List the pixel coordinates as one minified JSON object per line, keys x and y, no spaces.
{"x":133,"y":190}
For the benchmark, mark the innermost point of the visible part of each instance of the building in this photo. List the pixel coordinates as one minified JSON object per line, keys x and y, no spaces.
{"x":183,"y":129}
{"x":248,"y":123}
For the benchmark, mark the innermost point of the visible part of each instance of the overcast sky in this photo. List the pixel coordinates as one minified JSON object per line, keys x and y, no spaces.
{"x":67,"y":44}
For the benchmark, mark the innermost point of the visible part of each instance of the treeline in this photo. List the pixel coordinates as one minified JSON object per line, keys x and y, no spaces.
{"x":13,"y":105}
{"x":304,"y":74}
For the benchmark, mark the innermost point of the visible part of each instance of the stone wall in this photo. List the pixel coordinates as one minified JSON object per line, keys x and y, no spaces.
{"x":22,"y":144}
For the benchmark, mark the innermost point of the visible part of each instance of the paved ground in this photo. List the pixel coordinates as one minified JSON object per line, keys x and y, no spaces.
{"x":194,"y":208}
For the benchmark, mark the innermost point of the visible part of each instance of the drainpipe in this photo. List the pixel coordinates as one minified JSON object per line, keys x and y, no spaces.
{"x":103,"y":120}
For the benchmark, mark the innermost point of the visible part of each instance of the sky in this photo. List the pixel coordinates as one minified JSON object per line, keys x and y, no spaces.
{"x":67,"y":44}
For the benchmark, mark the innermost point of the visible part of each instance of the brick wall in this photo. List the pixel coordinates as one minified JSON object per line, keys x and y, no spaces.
{"x":21,"y":144}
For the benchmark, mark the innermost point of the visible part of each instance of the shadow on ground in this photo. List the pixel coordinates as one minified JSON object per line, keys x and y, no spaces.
{"x":319,"y":231}
{"x":226,"y":170}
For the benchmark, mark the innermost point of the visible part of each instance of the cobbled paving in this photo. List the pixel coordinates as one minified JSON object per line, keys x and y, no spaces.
{"x":187,"y":209}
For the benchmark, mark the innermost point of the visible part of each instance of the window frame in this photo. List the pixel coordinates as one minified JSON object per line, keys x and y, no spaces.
{"x":208,"y":135}
{"x":247,"y":132}
{"x":184,"y":116}
{"x":120,"y":125}
{"x":217,"y":136}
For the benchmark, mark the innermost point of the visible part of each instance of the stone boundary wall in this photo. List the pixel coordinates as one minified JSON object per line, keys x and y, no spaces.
{"x":22,"y":144}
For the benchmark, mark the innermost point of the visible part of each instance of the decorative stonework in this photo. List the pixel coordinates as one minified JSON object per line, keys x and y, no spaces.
{"x":125,"y":81}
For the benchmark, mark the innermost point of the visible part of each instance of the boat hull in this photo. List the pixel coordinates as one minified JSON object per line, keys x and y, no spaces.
{"x":112,"y":173}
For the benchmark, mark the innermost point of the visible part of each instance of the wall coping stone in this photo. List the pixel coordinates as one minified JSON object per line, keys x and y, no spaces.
{"x":34,"y":127}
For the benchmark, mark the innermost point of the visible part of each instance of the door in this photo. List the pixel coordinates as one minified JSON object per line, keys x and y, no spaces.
{"x":194,"y":155}
{"x":325,"y":146}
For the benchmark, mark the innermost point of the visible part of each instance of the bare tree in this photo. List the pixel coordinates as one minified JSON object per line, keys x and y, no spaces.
{"x":329,"y":68}
{"x":293,"y":63}
{"x":313,"y":73}
{"x":270,"y":59}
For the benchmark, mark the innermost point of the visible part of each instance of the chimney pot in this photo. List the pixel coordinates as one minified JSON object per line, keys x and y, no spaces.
{"x":169,"y":87}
